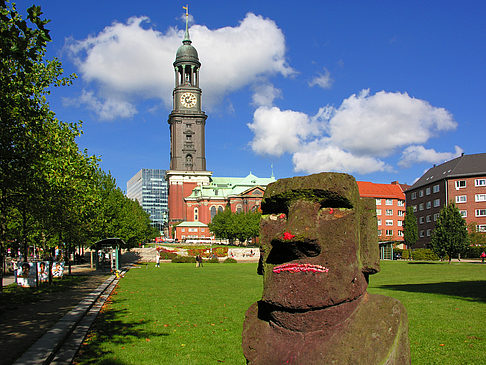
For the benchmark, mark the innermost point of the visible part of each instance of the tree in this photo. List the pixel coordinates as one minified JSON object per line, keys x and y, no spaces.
{"x":450,"y":234}
{"x":476,"y":238}
{"x":410,"y":230}
{"x":241,"y":226}
{"x":25,"y":79}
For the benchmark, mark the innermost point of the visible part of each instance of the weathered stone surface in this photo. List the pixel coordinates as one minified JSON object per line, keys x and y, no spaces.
{"x":376,"y":333}
{"x":318,"y":247}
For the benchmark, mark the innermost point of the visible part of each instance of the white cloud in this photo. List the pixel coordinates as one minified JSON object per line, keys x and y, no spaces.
{"x":355,"y":136}
{"x":416,"y":154}
{"x":386,"y":121}
{"x":322,"y":80}
{"x":107,"y":109}
{"x":320,"y":157}
{"x":134,"y":60}
{"x":265,"y":94}
{"x":279,"y":131}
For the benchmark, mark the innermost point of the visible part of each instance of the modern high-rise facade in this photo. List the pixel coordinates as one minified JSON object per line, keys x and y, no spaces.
{"x":149,"y":188}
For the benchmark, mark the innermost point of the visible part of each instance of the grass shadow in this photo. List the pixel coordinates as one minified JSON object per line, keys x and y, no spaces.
{"x":469,"y":290}
{"x":110,"y":327}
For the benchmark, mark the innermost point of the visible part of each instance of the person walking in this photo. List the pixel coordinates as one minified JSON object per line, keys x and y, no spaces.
{"x":157,"y":259}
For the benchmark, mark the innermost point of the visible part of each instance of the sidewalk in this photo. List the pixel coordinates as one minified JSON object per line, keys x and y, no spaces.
{"x":21,"y":325}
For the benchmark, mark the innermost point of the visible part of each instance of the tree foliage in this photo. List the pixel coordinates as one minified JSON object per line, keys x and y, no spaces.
{"x":410,"y":230}
{"x":476,"y":238}
{"x":51,"y":193}
{"x":241,"y":226}
{"x":450,"y":234}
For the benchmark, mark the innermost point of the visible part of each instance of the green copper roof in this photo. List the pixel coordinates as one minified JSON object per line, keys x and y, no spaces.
{"x":223,"y":187}
{"x":192,"y":224}
{"x":186,"y":52}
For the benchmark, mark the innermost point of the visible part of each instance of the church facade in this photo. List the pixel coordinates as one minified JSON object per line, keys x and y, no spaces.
{"x":194,"y":194}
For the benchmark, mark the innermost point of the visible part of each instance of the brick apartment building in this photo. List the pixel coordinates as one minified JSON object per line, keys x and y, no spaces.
{"x":461,"y":181}
{"x":390,"y":208}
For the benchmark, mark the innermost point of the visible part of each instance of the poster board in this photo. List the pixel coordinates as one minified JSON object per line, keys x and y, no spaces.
{"x":43,"y":272}
{"x":27,"y":274}
{"x":57,"y":269}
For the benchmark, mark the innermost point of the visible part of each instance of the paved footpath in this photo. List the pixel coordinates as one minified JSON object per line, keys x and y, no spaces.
{"x":41,"y":326}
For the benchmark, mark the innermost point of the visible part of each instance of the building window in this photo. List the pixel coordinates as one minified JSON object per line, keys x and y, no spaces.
{"x":378,"y":212}
{"x":481,"y":228}
{"x":389,"y":222}
{"x":399,"y":223}
{"x":428,"y":233}
{"x":435,"y":188}
{"x":463,"y":213}
{"x":379,"y":232}
{"x":429,"y":205}
{"x":183,"y":229}
{"x":428,"y":219}
{"x":239,"y":208}
{"x":401,"y":213}
{"x":401,"y":203}
{"x":196,"y":214}
{"x":421,"y":220}
{"x":378,"y":201}
{"x":481,"y":197}
{"x":436,"y":216}
{"x":427,"y":191}
{"x":400,"y":233}
{"x":414,"y":207}
{"x":414,"y":195}
{"x":389,"y":202}
{"x":421,"y":193}
{"x":480,"y":182}
{"x":389,"y":232}
{"x":436,"y":202}
{"x":461,"y":199}
{"x":421,"y":206}
{"x":213,"y":212}
{"x":421,"y":233}
{"x":379,"y":222}
{"x":480,"y":212}
{"x":460,"y":184}
{"x":389,"y":212}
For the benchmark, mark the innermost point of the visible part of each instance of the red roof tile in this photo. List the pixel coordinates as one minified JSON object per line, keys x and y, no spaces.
{"x":390,"y":191}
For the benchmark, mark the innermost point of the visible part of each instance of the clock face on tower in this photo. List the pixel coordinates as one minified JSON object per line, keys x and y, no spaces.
{"x":188,"y":100}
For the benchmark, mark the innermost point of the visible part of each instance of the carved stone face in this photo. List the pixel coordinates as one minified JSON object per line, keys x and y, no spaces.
{"x":312,"y":229}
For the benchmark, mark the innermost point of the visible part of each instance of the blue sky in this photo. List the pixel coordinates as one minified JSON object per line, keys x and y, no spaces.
{"x":379,"y":89}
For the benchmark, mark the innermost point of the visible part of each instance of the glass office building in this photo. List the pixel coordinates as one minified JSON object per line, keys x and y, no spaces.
{"x":150,"y":189}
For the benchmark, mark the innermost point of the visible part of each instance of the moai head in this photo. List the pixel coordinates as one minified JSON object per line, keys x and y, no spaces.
{"x":318,"y":241}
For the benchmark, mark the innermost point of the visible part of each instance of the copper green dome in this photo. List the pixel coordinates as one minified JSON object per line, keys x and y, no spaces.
{"x":186,"y":52}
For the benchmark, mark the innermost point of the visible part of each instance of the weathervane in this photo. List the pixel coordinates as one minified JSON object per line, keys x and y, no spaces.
{"x":186,"y":8}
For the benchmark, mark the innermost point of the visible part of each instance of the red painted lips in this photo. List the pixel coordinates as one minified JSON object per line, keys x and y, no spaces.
{"x":293,"y":268}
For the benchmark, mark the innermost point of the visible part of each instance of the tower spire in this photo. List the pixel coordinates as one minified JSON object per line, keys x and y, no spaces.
{"x":186,"y":35}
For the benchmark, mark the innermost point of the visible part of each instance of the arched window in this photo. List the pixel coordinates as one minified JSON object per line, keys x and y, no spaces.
{"x":239,"y":208}
{"x":220,"y":209}
{"x":196,"y":214}
{"x":213,"y":212}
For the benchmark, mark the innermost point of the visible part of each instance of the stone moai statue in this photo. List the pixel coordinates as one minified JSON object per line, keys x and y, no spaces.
{"x":318,"y":247}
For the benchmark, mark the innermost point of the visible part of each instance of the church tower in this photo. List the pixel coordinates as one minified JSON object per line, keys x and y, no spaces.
{"x":187,"y":124}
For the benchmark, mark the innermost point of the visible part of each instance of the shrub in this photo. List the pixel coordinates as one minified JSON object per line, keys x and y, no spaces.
{"x":213,"y":260}
{"x":405,"y":254}
{"x":184,"y":259}
{"x":230,"y":260}
{"x":424,"y":254}
{"x":164,"y":255}
{"x":473,"y":252}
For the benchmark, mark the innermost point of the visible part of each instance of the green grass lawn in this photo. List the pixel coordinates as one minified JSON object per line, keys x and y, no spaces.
{"x":177,"y":314}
